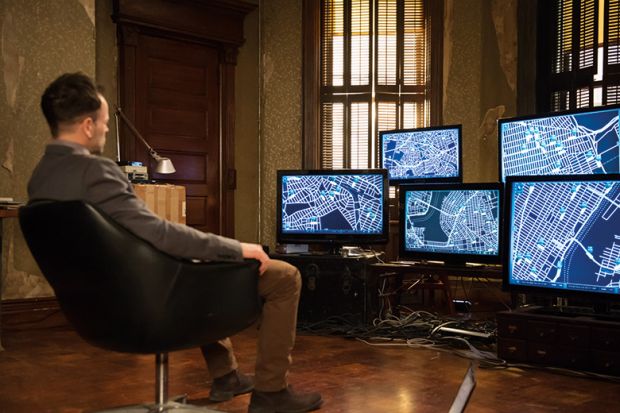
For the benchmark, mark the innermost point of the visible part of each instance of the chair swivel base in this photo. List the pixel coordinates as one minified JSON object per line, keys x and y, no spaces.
{"x":172,"y":407}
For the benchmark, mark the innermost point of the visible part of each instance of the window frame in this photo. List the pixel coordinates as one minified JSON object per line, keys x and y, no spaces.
{"x":547,"y":81}
{"x":311,"y":57}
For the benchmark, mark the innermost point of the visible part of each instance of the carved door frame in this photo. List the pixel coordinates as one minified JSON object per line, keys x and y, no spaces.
{"x":215,"y":23}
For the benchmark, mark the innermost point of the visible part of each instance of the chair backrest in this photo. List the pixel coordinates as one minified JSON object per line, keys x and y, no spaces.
{"x":121,"y":293}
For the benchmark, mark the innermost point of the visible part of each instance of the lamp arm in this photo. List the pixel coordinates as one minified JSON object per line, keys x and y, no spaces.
{"x":164,"y":165}
{"x":131,"y":127}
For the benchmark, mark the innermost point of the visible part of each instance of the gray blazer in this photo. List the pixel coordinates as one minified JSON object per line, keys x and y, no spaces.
{"x":67,"y":171}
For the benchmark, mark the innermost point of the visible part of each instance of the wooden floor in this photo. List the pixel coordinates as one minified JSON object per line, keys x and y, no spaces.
{"x":52,"y":370}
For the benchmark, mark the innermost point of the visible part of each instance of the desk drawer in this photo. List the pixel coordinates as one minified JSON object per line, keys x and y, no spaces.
{"x":605,"y":338}
{"x":606,"y":362}
{"x":541,"y":331}
{"x":573,"y":335}
{"x":542,"y":353}
{"x":512,"y":349}
{"x":573,"y":358}
{"x":511,"y":327}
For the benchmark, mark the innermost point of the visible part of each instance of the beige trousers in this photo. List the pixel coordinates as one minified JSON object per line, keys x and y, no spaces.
{"x":279,"y":286}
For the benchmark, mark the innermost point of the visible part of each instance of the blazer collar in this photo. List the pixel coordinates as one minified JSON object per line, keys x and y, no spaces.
{"x":66,"y":147}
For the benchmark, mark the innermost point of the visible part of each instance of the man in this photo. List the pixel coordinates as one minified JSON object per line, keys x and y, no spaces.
{"x":71,"y":168}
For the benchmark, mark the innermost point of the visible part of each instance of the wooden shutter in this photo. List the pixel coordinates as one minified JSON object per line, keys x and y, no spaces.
{"x":611,"y":53}
{"x":567,"y":74}
{"x":374,"y":76}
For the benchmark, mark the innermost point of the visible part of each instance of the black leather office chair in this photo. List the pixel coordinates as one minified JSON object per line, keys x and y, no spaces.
{"x":122,"y":294}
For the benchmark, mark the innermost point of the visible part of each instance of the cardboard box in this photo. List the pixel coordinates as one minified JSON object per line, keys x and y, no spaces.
{"x":166,"y":201}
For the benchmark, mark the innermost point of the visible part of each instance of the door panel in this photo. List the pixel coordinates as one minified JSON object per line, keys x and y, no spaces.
{"x":177,"y":106}
{"x":176,"y":80}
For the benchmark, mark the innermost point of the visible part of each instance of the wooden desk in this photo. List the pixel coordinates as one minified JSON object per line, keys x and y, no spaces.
{"x":401,"y":277}
{"x":4,"y":213}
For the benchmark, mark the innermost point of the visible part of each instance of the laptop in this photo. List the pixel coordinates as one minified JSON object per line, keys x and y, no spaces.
{"x":465,"y":390}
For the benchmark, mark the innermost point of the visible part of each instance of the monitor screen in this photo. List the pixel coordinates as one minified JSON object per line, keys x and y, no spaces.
{"x":564,"y":143}
{"x":422,"y":155}
{"x":563,"y":234}
{"x":343,"y":206}
{"x":451,"y":222}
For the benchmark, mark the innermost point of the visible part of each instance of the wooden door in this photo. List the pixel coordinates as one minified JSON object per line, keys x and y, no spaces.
{"x":177,"y":106}
{"x":176,"y":81}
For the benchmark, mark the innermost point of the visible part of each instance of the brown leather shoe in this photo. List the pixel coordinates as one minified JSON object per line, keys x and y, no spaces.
{"x":283,"y":401}
{"x":230,"y":385}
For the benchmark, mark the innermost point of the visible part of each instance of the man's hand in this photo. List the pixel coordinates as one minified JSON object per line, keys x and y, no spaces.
{"x":255,"y":251}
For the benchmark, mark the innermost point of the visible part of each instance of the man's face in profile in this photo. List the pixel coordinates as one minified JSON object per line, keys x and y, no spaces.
{"x":97,"y":143}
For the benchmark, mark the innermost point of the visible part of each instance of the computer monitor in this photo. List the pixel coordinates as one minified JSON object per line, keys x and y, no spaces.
{"x":422,"y":155}
{"x":338,"y":207}
{"x":585,"y":141}
{"x":563,"y":235}
{"x":454,"y":223}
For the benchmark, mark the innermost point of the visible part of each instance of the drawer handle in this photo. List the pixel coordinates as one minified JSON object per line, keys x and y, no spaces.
{"x":512,"y":349}
{"x":512,"y":328}
{"x":541,"y":352}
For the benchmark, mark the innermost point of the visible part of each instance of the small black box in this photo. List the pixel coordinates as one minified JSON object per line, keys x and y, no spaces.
{"x":332,"y":286}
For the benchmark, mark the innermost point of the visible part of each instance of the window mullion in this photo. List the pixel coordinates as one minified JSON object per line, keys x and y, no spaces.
{"x":374,"y":156}
{"x":575,"y":51}
{"x":400,"y":58}
{"x":354,"y":45}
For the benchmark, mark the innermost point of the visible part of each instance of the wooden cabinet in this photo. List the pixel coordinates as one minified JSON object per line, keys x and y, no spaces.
{"x":572,"y":341}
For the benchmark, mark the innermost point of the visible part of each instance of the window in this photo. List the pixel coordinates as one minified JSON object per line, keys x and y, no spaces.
{"x":368,"y":66}
{"x":580,"y":60}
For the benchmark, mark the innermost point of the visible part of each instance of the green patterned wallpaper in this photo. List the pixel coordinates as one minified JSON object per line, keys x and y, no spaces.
{"x":40,"y":40}
{"x":280,"y":102}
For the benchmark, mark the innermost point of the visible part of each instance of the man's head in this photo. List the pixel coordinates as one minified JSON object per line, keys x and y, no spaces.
{"x":75,"y":110}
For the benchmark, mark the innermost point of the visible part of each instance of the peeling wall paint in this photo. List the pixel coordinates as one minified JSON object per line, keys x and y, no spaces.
{"x":37,"y":46}
{"x":487,"y":133}
{"x":9,"y":155}
{"x":504,"y":14}
{"x":463,"y":78}
{"x":480,"y":70}
{"x":89,"y":8}
{"x":12,"y":60}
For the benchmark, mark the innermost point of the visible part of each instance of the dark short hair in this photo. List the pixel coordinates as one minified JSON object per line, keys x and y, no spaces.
{"x":68,"y":98}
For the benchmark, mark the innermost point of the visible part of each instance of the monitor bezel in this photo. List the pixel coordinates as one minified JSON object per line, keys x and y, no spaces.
{"x":333,"y":238}
{"x":404,"y":181}
{"x":447,"y":257}
{"x":540,"y":290}
{"x":502,"y":121}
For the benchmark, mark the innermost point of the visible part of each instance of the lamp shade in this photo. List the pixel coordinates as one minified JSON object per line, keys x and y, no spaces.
{"x":164,"y":166}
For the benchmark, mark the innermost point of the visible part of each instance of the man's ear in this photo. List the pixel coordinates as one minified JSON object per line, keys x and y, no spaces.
{"x":88,"y":127}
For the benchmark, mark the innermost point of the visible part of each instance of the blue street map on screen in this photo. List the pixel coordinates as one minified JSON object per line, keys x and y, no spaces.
{"x":337,"y":204}
{"x":565,"y":235}
{"x":452,"y":221}
{"x":580,"y":143}
{"x":421,"y":154}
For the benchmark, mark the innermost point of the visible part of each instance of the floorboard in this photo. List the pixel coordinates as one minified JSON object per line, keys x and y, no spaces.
{"x":52,"y":370}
